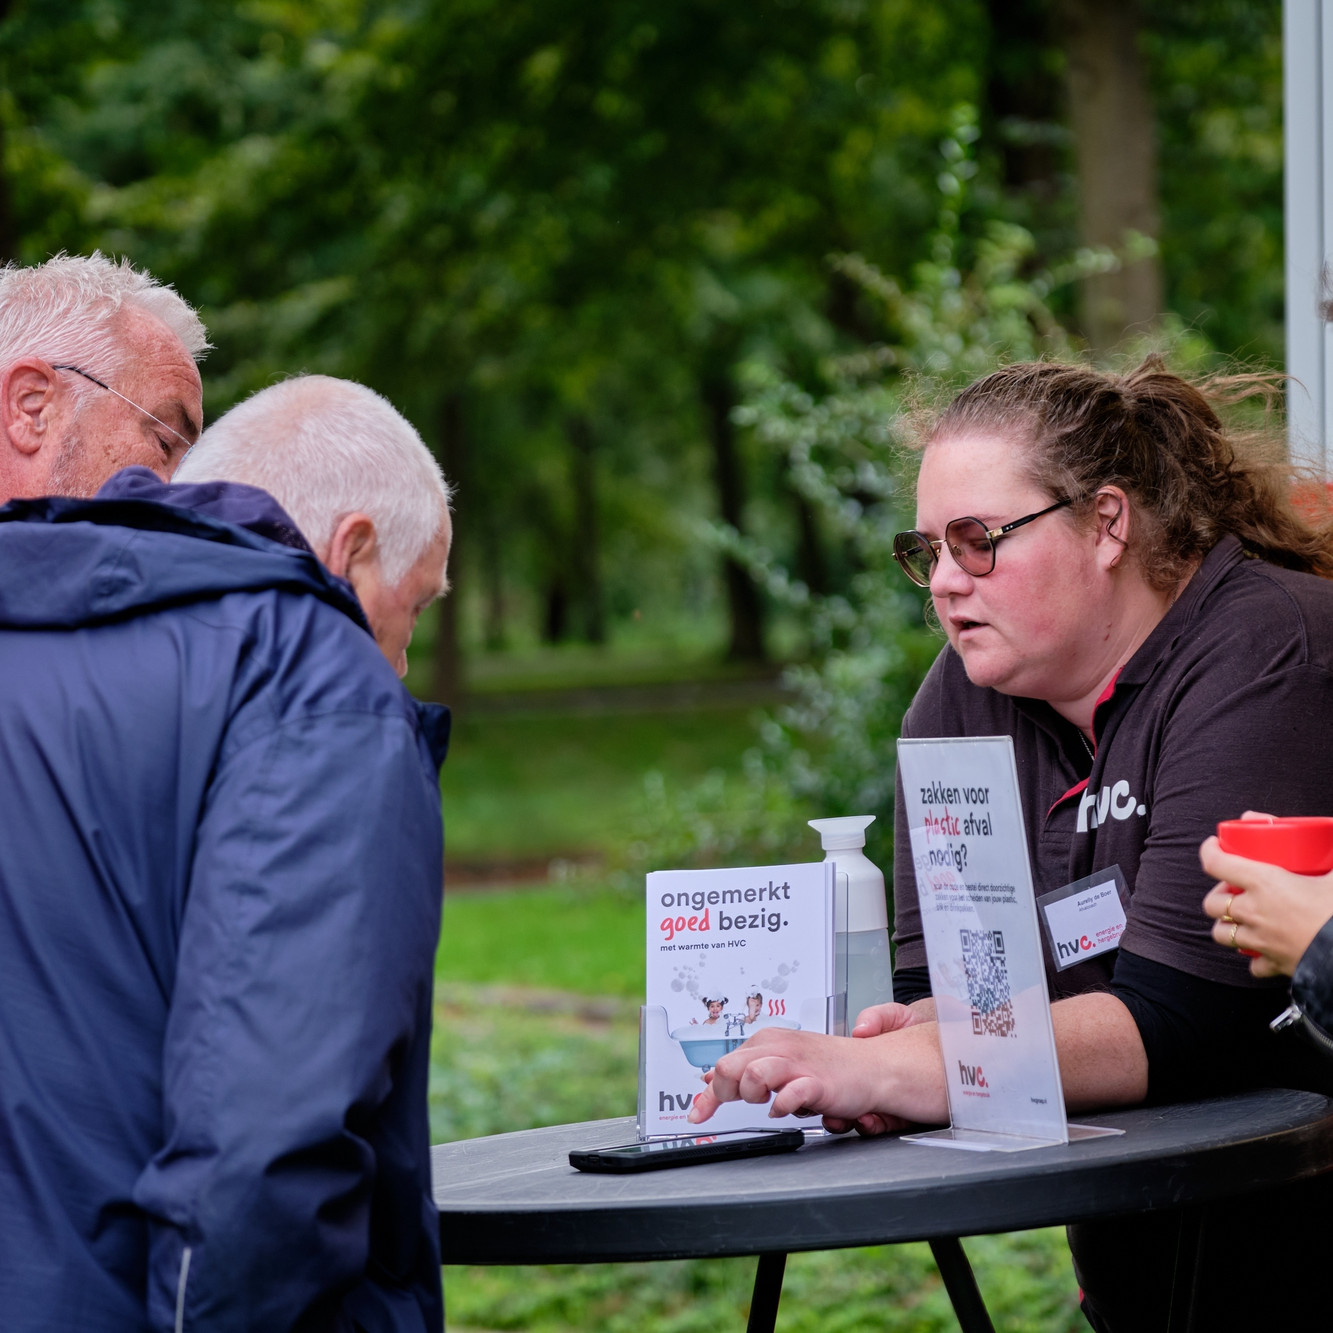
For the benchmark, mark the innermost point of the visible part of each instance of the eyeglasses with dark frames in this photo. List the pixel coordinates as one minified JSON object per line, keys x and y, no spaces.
{"x":970,"y":542}
{"x":101,"y":384}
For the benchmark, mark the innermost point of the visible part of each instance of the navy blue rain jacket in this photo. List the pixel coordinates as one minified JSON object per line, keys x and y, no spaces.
{"x":220,"y":887}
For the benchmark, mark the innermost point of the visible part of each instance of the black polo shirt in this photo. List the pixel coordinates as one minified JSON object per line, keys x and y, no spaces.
{"x":1227,"y":706}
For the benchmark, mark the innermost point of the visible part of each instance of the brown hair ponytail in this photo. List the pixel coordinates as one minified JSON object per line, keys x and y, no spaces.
{"x":1160,"y":439}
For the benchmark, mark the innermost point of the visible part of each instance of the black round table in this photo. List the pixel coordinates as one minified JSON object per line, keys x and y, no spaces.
{"x":514,"y":1198}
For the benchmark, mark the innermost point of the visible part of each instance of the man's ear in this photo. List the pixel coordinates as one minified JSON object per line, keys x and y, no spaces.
{"x":352,"y":548}
{"x":28,"y":392}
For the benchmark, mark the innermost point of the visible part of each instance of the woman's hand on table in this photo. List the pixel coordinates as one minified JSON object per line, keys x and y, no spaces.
{"x":1277,"y":914}
{"x":875,"y":1085}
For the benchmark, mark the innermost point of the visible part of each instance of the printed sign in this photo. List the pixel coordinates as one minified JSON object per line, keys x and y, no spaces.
{"x":983,"y":944}
{"x":730,"y":952}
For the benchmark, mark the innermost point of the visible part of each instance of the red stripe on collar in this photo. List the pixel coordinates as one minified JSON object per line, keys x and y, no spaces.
{"x":1103,"y":697}
{"x":1073,"y":791}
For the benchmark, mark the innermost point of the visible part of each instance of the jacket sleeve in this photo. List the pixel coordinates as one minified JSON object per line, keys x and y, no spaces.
{"x":1312,"y":985}
{"x":301,"y":1005}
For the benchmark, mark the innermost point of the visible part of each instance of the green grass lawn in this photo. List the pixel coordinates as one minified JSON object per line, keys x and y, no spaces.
{"x":550,"y":783}
{"x":577,"y":665}
{"x":1025,"y":1280}
{"x":689,"y":646}
{"x":588,"y":940}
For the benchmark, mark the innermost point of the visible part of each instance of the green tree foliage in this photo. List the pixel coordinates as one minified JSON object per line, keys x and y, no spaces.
{"x":1216,"y":67}
{"x":1215,"y":77}
{"x":580,"y":217}
{"x":565,"y":227}
{"x":849,"y":450}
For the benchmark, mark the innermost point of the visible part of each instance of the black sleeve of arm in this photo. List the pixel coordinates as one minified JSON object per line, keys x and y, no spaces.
{"x":1204,"y":1037}
{"x":911,"y":983}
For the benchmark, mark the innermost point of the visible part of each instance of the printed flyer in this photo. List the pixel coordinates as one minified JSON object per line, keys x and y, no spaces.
{"x":730,"y":952}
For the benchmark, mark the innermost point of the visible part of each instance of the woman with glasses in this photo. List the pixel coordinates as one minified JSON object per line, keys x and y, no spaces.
{"x":1128,"y":592}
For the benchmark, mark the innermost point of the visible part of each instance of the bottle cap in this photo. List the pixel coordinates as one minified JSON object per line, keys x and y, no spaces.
{"x":842,"y":834}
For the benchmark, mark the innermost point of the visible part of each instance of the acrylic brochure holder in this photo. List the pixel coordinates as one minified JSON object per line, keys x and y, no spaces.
{"x":983,"y":947}
{"x":837,"y":1019}
{"x":669,"y":1096}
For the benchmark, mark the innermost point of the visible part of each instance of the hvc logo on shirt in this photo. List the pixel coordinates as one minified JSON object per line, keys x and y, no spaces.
{"x":1114,"y":802}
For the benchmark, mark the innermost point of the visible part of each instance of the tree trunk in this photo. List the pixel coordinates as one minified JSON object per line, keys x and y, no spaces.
{"x":1024,"y":104}
{"x":586,"y":547}
{"x":811,"y":565}
{"x":447,"y":675}
{"x":555,"y":619}
{"x":490,"y":549}
{"x":746,"y":610}
{"x":9,"y":237}
{"x":1110,"y":112}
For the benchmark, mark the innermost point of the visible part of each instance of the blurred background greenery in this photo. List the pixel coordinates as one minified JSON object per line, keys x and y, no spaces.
{"x":656,"y":279}
{"x":663,"y":283}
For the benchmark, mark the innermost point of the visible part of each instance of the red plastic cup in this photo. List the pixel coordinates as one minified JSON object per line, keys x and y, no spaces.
{"x":1302,"y":844}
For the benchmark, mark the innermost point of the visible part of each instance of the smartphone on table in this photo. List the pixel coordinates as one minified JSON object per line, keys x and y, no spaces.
{"x":686,"y":1150}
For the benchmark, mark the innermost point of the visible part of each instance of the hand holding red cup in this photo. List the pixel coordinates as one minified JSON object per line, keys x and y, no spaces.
{"x":1283,"y":911}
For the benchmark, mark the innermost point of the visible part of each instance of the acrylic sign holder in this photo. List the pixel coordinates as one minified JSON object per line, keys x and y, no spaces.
{"x":826,"y":1014}
{"x":983,"y":946}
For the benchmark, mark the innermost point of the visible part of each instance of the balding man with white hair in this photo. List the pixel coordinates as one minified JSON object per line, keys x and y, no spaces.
{"x":220,"y":884}
{"x":358,"y":482}
{"x":97,"y":373}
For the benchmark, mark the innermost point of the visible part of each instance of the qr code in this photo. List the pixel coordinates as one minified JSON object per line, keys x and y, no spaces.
{"x":988,"y":983}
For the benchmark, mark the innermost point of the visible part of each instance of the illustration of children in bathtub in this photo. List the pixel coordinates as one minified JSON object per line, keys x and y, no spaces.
{"x":704,"y":1051}
{"x":714,"y":1008}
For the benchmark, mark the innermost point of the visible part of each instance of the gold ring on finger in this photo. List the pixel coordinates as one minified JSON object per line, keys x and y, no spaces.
{"x":1235,"y":926}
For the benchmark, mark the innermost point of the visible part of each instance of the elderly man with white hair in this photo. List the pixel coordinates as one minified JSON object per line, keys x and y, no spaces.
{"x":357,"y":482}
{"x":97,"y":373}
{"x":220,"y":884}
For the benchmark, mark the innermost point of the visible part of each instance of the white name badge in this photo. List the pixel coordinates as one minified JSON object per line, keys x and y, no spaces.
{"x":1085,"y":918}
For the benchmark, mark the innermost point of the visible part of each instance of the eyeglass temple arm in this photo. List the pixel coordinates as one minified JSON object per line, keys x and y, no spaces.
{"x":993,"y":533}
{"x":100,"y":384}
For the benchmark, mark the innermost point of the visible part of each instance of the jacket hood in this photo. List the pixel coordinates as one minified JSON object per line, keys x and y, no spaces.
{"x":143,"y":544}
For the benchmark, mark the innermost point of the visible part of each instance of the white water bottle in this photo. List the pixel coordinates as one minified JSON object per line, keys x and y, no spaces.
{"x":869,"y":965}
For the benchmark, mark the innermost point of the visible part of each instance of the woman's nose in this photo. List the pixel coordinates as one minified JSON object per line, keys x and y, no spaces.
{"x":947,"y":575}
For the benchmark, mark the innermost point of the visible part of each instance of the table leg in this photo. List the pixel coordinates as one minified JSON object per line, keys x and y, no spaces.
{"x":1185,"y":1279}
{"x":767,"y":1293}
{"x":961,"y":1284}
